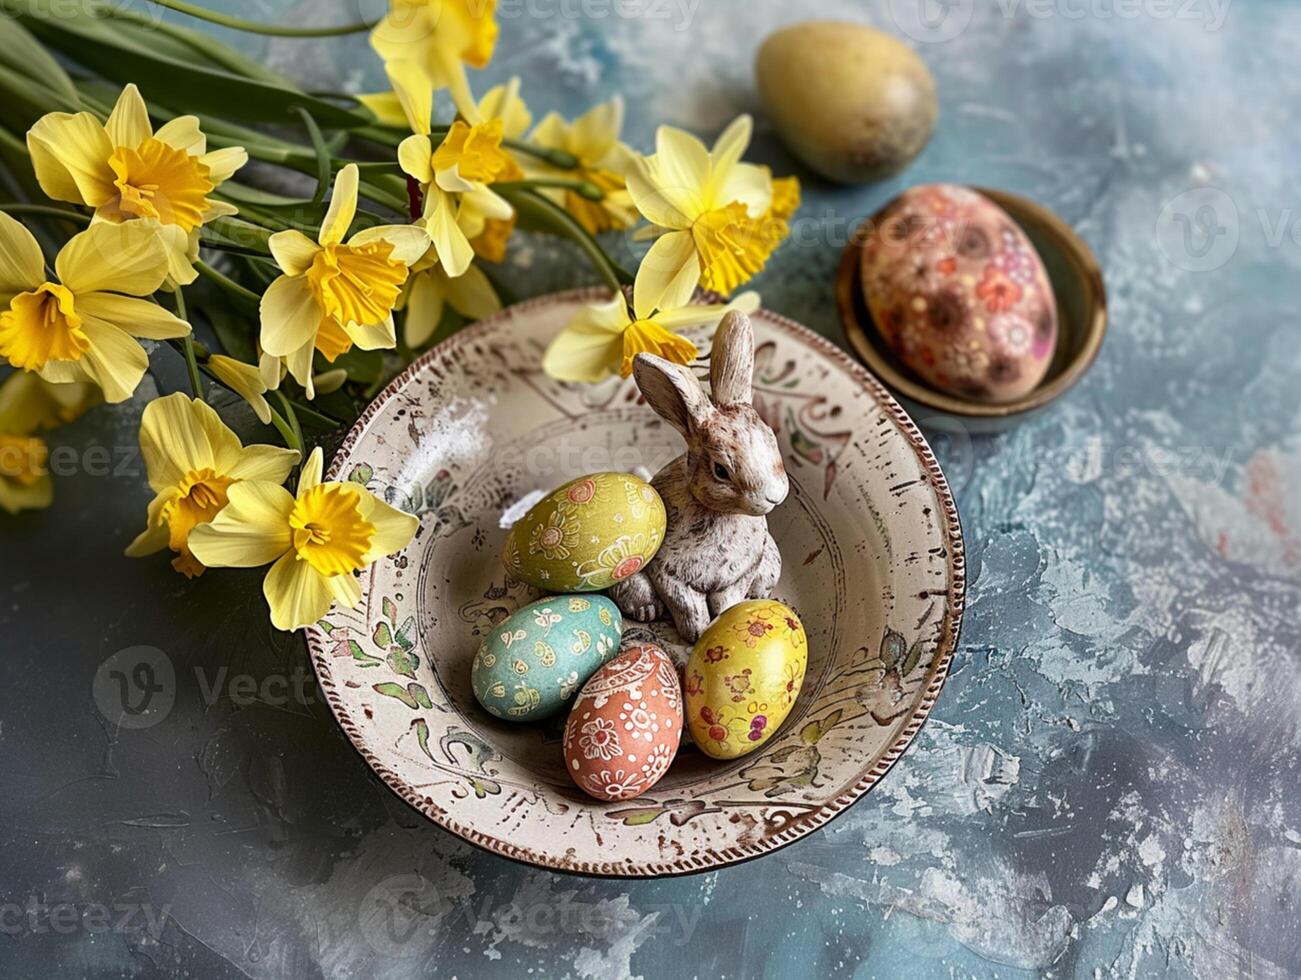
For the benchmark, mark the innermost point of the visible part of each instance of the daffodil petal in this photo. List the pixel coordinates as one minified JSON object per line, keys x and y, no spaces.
{"x":15,"y":497}
{"x":415,"y":157}
{"x":246,"y":380}
{"x":668,"y":275}
{"x":297,"y":593}
{"x":373,"y":336}
{"x":138,"y":317}
{"x":343,"y":206}
{"x":596,"y":131}
{"x":299,"y":365}
{"x":590,"y":348}
{"x":409,"y":242}
{"x":312,"y":470}
{"x":128,"y":123}
{"x":424,"y":307}
{"x":269,"y":464}
{"x":251,"y":530}
{"x":22,"y":267}
{"x":415,"y":94}
{"x":293,"y":251}
{"x":223,"y":163}
{"x":453,"y":248}
{"x":179,"y":435}
{"x":751,"y":185}
{"x":386,"y":107}
{"x":290,"y":316}
{"x":114,"y":361}
{"x":472,"y":295}
{"x":156,"y":535}
{"x":183,"y":133}
{"x":657,"y":205}
{"x":70,"y":156}
{"x":126,"y":258}
{"x":732,"y":144}
{"x":692,"y":316}
{"x":393,"y":528}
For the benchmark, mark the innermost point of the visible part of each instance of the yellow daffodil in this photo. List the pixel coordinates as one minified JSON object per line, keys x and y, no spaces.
{"x":335,"y":293}
{"x":708,"y":208}
{"x":317,"y":540}
{"x":127,"y":172}
{"x":594,"y":139}
{"x":29,"y":403}
{"x":245,"y":380}
{"x":603,"y":338}
{"x":430,"y":289}
{"x":454,"y":177}
{"x":193,"y":461}
{"x":438,"y":38}
{"x":80,"y":326}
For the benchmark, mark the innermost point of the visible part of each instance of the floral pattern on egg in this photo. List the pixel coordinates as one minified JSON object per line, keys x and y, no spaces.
{"x":587,"y":535}
{"x":960,"y":294}
{"x":537,"y":658}
{"x":743,"y":677}
{"x":624,"y":729}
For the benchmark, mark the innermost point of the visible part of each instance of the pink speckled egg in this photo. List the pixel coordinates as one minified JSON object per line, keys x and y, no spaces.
{"x":960,"y":294}
{"x":624,"y":729}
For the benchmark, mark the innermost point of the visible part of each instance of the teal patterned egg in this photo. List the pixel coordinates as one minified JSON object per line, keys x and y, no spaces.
{"x":535,"y":660}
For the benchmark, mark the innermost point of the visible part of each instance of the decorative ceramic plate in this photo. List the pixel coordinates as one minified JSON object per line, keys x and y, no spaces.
{"x":473,"y":433}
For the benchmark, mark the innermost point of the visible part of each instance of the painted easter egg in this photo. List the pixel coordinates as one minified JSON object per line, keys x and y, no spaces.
{"x":743,"y":676}
{"x":959,"y":293}
{"x":588,"y":535}
{"x":535,"y":660}
{"x":625,"y":726}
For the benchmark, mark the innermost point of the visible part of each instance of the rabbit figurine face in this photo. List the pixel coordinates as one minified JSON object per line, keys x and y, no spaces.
{"x":717,"y":550}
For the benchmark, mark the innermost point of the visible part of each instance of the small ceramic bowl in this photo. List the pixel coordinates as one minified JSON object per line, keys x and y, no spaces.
{"x":473,"y":431}
{"x":1081,"y":311}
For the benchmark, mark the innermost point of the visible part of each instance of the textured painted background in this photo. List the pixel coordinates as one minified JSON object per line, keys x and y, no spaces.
{"x":1109,"y":784}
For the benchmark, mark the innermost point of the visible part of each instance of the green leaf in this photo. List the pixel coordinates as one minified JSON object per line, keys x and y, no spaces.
{"x":403,"y":662}
{"x":323,"y":166}
{"x":420,"y":695}
{"x":361,"y":473}
{"x":893,"y":647}
{"x":390,"y":609}
{"x":21,"y":53}
{"x":361,"y":656}
{"x":123,"y":53}
{"x":383,"y":635}
{"x":405,"y":637}
{"x":392,"y":690}
{"x":913,"y":659}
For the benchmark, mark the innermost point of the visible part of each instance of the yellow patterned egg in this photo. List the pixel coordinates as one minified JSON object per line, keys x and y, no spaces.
{"x":588,"y":535}
{"x":743,"y":676}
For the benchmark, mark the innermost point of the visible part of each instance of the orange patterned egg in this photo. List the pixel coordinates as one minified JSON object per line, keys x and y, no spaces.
{"x":624,"y":729}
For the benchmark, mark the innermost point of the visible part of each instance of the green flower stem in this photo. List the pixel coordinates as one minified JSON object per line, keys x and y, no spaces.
{"x":583,"y":188}
{"x":228,"y":284}
{"x":45,"y":211}
{"x":550,"y":215}
{"x":273,"y":30}
{"x":187,"y":347}
{"x":391,"y":136}
{"x":321,"y":418}
{"x":295,"y":435}
{"x":560,"y":159}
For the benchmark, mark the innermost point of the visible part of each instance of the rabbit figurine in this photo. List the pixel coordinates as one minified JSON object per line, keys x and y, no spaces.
{"x":717,"y":550}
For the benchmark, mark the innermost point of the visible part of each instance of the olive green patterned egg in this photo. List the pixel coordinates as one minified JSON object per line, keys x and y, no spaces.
{"x":535,"y":660}
{"x":588,"y":535}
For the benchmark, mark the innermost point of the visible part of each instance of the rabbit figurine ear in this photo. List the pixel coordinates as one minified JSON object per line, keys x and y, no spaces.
{"x":731,"y":361}
{"x":672,"y":391}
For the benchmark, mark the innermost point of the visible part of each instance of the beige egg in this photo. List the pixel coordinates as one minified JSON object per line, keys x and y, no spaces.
{"x":853,"y":103}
